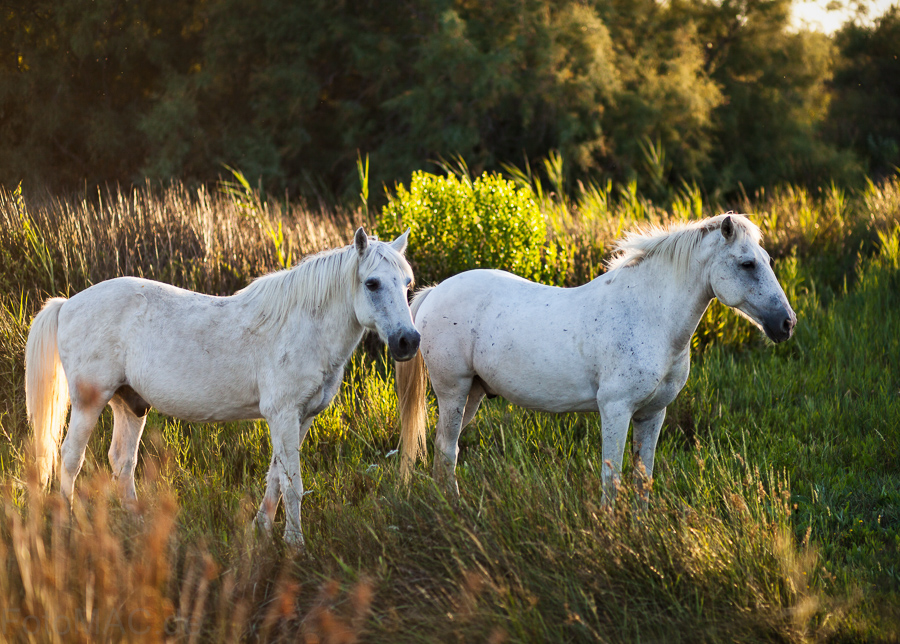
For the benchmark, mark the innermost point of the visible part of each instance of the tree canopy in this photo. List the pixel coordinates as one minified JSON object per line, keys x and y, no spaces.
{"x":722,"y":93}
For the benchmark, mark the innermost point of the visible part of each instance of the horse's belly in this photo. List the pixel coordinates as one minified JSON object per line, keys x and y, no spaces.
{"x":207,"y":410}
{"x":548,"y":376}
{"x":196,"y":377}
{"x":211,"y":394}
{"x":554,"y":404}
{"x":542,"y":389}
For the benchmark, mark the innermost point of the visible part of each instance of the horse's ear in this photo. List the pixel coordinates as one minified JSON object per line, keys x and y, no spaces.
{"x":728,"y":228}
{"x":399,"y":244}
{"x":361,"y":239}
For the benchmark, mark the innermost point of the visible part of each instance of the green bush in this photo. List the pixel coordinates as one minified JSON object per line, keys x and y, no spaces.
{"x":459,"y":224}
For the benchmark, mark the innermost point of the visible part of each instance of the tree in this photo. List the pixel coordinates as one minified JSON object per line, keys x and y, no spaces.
{"x":865,"y":112}
{"x":720,"y":92}
{"x":775,"y":81}
{"x":75,"y":75}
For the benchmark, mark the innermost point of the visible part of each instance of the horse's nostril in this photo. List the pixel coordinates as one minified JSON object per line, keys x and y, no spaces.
{"x":787,"y":326}
{"x":403,"y":345}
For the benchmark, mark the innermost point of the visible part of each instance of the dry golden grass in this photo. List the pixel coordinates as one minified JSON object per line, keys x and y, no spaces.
{"x":102,"y":573}
{"x":213,"y":242}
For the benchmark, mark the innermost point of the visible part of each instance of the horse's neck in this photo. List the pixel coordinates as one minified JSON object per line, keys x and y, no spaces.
{"x":689,"y":307}
{"x":333,"y":329}
{"x":681,"y":302}
{"x":341,"y":332}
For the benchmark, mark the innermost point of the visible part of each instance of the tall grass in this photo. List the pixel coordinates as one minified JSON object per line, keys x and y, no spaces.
{"x":207,"y":241}
{"x":774,"y":510}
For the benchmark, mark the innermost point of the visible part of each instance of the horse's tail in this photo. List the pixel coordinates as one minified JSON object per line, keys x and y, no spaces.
{"x":411,"y":384}
{"x":46,"y":389}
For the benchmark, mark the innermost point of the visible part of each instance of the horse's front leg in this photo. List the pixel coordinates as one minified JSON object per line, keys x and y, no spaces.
{"x":614,"y":418}
{"x":266,"y":514}
{"x":287,"y":436}
{"x":646,"y":433}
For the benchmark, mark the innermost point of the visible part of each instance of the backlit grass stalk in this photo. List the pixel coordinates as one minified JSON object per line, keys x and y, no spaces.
{"x":192,"y":238}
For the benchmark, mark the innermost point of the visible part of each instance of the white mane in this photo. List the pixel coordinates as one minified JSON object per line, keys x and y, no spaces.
{"x":317,"y":281}
{"x":676,"y":244}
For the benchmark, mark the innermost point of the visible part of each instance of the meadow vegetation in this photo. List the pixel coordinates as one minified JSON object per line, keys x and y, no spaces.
{"x":775,"y":512}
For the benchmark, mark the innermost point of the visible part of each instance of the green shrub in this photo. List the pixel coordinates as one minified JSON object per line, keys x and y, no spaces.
{"x":459,"y":224}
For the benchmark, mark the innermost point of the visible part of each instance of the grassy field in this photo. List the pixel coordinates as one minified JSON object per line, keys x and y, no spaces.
{"x":775,"y":513}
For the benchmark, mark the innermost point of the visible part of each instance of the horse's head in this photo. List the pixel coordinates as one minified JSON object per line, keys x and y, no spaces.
{"x":384,"y":277}
{"x":741,"y":277}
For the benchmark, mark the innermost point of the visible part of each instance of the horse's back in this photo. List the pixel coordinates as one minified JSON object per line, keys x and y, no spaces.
{"x":167,"y":343}
{"x":124,"y":310}
{"x":478,"y":290}
{"x":116,"y":300}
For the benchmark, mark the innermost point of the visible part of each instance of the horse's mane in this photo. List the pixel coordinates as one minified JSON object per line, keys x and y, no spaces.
{"x":677,"y":243}
{"x":319,"y":281}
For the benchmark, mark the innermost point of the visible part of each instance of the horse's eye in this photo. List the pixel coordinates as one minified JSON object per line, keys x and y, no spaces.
{"x":749,"y":264}
{"x":372,"y":284}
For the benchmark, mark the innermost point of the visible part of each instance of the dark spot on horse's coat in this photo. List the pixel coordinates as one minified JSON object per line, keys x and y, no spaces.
{"x":135,"y":403}
{"x":87,"y":395}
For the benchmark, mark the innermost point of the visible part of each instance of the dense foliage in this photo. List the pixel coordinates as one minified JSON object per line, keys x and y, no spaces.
{"x":721,"y":93}
{"x":460,"y":224}
{"x":865,"y":112}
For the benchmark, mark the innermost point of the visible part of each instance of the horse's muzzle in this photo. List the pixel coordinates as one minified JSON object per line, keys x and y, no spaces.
{"x":404,"y":344}
{"x":780,"y":327}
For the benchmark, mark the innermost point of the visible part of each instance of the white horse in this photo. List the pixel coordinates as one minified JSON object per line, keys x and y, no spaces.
{"x":619,"y":345}
{"x":274,"y":350}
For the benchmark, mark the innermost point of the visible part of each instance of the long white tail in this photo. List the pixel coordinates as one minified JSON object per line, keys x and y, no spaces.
{"x":411,"y":383}
{"x":46,"y":389}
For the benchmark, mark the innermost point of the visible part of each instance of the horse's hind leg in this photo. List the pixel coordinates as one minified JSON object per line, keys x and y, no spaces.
{"x":450,"y":426}
{"x":128,"y":425}
{"x":473,"y":402}
{"x":457,"y":404}
{"x":88,"y":401}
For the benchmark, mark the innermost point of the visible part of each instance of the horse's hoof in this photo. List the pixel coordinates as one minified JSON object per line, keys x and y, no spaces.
{"x":263,"y":525}
{"x":294,"y":539}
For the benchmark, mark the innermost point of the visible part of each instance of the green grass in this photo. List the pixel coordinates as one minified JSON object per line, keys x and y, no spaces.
{"x":824,"y":410}
{"x":775,"y":513}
